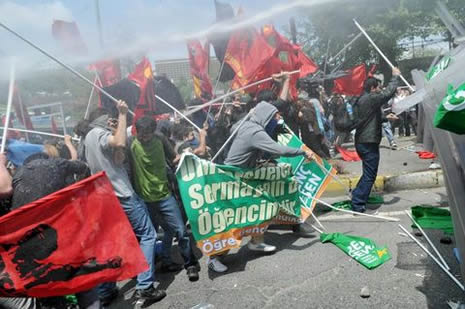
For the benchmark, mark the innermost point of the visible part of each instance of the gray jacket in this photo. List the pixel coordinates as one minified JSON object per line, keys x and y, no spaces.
{"x":251,"y":140}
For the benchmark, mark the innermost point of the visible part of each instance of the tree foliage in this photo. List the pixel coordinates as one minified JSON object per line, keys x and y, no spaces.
{"x":388,"y":22}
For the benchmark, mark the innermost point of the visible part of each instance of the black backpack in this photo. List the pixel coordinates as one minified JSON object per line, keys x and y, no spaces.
{"x":343,"y":122}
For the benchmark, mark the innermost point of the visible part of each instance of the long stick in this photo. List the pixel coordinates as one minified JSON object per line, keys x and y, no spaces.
{"x":177,"y":111}
{"x":232,"y":135}
{"x":61,"y":63}
{"x":381,"y":53}
{"x":318,"y":221}
{"x":233,"y":92}
{"x":352,"y":212}
{"x":217,"y":104}
{"x":459,"y":284}
{"x":36,"y":132}
{"x":8,"y":105}
{"x":90,"y":98}
{"x":428,"y":240}
{"x":345,"y":47}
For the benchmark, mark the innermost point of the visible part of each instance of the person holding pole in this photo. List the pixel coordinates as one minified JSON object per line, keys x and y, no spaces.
{"x":368,"y":136}
{"x":253,"y":140}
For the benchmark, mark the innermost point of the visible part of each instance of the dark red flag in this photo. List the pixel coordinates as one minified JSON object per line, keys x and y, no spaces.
{"x":352,"y":84}
{"x":68,"y":241}
{"x":21,"y":110}
{"x":109,"y":71}
{"x":10,"y":133}
{"x":53,"y":125}
{"x":143,"y":78}
{"x":247,"y":52}
{"x":198,"y":60}
{"x":67,"y":33}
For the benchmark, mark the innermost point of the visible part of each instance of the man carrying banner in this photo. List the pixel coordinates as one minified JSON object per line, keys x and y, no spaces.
{"x":149,"y":153}
{"x":105,"y":152}
{"x":251,"y":142}
{"x":368,"y":136}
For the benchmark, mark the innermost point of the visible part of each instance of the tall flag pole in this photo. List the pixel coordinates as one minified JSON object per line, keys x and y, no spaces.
{"x":8,"y":106}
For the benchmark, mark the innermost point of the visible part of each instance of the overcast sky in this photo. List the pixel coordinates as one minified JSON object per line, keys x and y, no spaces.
{"x":153,"y":27}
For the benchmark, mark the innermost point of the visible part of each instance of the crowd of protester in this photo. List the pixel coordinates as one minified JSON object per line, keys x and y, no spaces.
{"x":141,"y":167}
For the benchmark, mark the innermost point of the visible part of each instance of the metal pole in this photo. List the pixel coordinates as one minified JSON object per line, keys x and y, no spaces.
{"x":21,"y":107}
{"x":36,"y":132}
{"x":233,"y":92}
{"x":381,"y":53}
{"x":61,"y":63}
{"x":345,"y":47}
{"x":90,"y":98}
{"x":326,"y":57}
{"x":63,"y":118}
{"x":429,"y":241}
{"x":459,"y":284}
{"x":232,"y":135}
{"x":177,"y":111}
{"x":8,"y":105}
{"x":99,"y":23}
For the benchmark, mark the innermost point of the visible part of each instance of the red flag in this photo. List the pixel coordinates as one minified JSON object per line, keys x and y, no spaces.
{"x":54,"y":125}
{"x":21,"y":110}
{"x":109,"y":71}
{"x":372,"y":70}
{"x":247,"y":52}
{"x":348,"y":155}
{"x":143,"y":77}
{"x":352,"y":84}
{"x":67,"y":33}
{"x":307,"y":66}
{"x":198,"y":60}
{"x":68,"y":241}
{"x":426,"y":155}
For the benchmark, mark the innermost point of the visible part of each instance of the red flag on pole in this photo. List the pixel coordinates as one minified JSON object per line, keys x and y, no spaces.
{"x":54,"y":125}
{"x":143,"y":77}
{"x":352,"y":84}
{"x":67,"y":33}
{"x":109,"y":71}
{"x":348,"y":155}
{"x":68,"y":241}
{"x":21,"y":110}
{"x":198,"y":60}
{"x":247,"y":52}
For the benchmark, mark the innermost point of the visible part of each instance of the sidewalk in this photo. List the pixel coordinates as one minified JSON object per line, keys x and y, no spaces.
{"x":398,"y":170}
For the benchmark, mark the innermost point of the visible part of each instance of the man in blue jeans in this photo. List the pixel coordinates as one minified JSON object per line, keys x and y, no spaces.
{"x":105,"y":151}
{"x":149,"y":155}
{"x":368,"y":135}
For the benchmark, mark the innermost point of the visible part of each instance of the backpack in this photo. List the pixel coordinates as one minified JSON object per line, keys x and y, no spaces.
{"x":346,"y":121}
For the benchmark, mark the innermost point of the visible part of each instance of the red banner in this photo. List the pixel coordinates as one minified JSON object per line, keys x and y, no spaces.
{"x":67,"y":33}
{"x":109,"y":71}
{"x":67,"y":242}
{"x":198,"y":60}
{"x":143,"y":77}
{"x":247,"y":52}
{"x":352,"y":84}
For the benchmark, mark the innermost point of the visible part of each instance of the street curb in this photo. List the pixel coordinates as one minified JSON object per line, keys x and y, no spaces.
{"x":418,"y":180}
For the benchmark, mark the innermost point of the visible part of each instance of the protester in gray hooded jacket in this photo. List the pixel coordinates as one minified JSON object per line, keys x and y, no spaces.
{"x":251,"y":142}
{"x":253,"y":138}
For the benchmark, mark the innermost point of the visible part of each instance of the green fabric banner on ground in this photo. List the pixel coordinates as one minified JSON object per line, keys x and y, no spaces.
{"x":363,"y":250}
{"x":312,"y":178}
{"x":225,"y":203}
{"x":372,"y":200}
{"x":429,"y":217}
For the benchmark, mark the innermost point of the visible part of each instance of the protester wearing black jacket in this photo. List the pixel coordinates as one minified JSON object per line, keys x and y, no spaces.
{"x":368,"y":136}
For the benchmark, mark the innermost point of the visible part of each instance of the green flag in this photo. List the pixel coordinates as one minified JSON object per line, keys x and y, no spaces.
{"x":450,"y":114}
{"x":429,"y":217}
{"x":372,"y":200}
{"x":438,"y":68}
{"x":363,"y":250}
{"x":226,"y":203}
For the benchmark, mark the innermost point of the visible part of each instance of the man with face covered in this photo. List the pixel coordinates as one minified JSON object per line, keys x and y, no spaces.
{"x":104,"y":150}
{"x":251,"y":143}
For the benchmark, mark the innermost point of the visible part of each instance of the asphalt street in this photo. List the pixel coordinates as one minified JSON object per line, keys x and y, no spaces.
{"x":305,"y":273}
